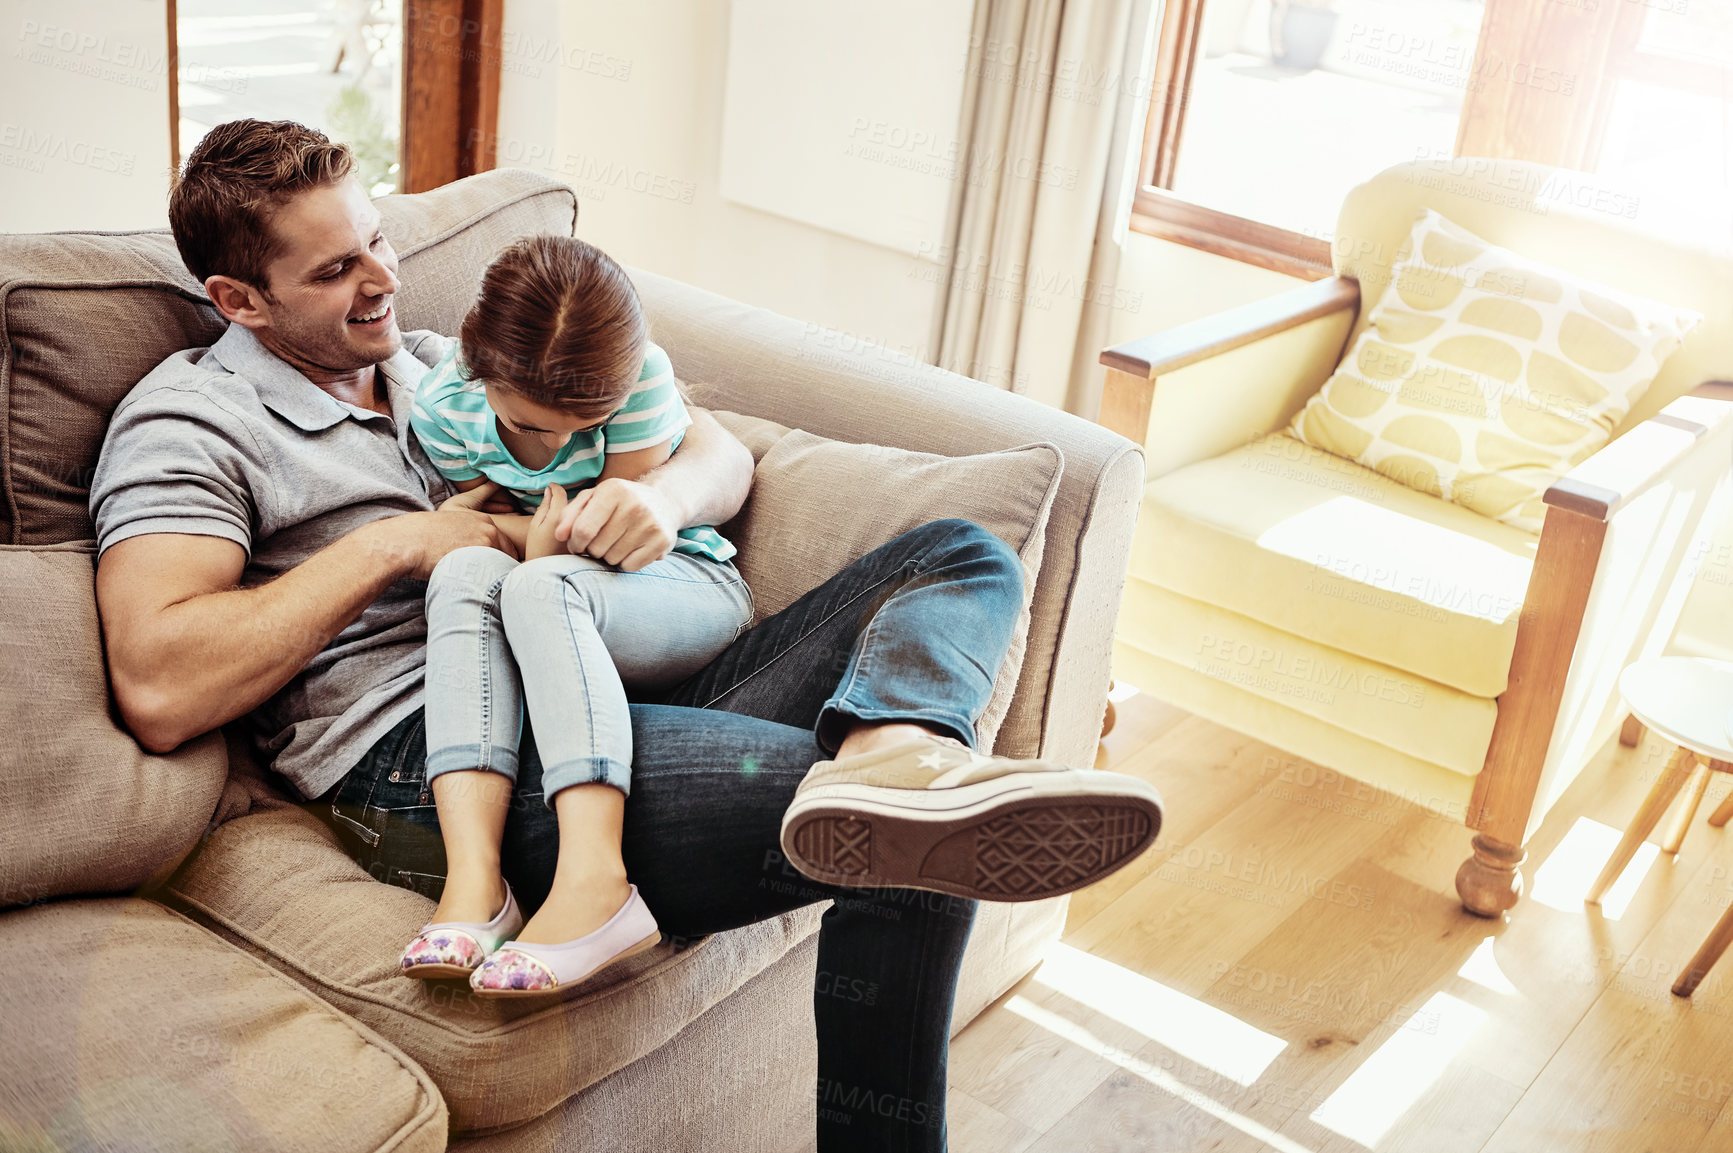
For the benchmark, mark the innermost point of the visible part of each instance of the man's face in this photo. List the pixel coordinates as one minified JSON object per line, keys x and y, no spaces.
{"x":331,"y":283}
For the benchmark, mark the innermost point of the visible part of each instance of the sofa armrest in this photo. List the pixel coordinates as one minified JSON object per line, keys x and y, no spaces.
{"x":753,"y":361}
{"x":1229,"y":378}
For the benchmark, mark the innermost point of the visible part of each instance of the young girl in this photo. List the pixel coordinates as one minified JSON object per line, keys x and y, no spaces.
{"x":554,"y":385}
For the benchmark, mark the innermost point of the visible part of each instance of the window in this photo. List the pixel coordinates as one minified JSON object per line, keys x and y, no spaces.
{"x":1266,"y":112}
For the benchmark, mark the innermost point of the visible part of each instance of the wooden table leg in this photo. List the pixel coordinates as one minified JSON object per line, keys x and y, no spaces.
{"x":1631,"y":732}
{"x":1687,"y":811}
{"x":1707,"y":954}
{"x":1672,"y":779}
{"x":1722,"y":814}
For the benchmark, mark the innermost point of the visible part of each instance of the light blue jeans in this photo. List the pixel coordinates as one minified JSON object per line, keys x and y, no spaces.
{"x":563,"y":636}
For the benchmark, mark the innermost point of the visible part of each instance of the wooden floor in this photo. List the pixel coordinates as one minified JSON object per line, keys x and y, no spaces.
{"x":1289,"y":969}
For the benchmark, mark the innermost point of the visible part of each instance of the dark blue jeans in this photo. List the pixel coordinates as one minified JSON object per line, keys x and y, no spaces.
{"x":915,"y":630}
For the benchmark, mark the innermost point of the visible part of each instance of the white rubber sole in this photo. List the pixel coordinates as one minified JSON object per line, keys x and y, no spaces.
{"x":1022,"y":837}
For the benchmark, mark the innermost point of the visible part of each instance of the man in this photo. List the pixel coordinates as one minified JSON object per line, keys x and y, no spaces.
{"x":266,"y":523}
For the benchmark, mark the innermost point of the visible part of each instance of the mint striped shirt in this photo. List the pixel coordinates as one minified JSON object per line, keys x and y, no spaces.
{"x":458,"y":430}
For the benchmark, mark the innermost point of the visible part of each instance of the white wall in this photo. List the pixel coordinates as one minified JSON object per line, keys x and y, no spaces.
{"x":624,"y":102}
{"x":1162,"y":284}
{"x":84,"y":115}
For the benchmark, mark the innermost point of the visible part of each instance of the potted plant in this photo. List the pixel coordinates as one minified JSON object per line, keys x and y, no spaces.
{"x":1300,"y":31}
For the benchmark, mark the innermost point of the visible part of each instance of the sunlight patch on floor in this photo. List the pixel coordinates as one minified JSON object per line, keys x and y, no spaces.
{"x":1081,"y":1037}
{"x":1482,"y":968}
{"x":1377,"y":1093}
{"x":1121,"y":691}
{"x":1196,"y":1031}
{"x":1563,"y":880}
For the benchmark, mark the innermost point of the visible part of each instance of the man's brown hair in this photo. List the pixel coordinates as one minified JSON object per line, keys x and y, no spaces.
{"x":236,"y":179}
{"x":557,"y":322}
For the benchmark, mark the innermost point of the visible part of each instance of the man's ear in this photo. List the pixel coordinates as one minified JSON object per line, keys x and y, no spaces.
{"x":239,"y":301}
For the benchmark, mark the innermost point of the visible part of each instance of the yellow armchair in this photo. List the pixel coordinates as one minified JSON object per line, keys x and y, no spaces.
{"x":1379,"y":631}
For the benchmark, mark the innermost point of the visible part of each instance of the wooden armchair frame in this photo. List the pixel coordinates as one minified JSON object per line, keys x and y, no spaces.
{"x":1580,"y":509}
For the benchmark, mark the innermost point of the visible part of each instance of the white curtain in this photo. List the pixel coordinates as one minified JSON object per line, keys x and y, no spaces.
{"x":1053,"y":115}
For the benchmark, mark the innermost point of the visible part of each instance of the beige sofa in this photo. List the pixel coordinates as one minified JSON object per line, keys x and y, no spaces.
{"x":191,"y":960}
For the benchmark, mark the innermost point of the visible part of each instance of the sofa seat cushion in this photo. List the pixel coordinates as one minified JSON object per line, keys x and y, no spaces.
{"x":1325,"y":549}
{"x":1388,"y":706}
{"x":278,"y":884}
{"x":86,"y":809}
{"x":166,"y":1037}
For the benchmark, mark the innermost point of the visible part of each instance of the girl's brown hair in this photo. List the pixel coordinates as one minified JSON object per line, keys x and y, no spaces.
{"x":557,"y":322}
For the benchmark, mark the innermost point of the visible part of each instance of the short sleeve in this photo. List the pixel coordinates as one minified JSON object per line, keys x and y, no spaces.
{"x":440,"y":440}
{"x":175,"y":461}
{"x":653,"y":413}
{"x":429,"y":347}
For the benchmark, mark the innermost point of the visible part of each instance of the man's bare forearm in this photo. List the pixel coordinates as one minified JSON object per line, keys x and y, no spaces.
{"x":708,"y":477}
{"x":213,"y":657}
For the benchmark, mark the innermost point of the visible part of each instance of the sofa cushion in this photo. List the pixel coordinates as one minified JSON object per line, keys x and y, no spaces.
{"x":278,"y":884}
{"x":818,"y":505}
{"x":1412,"y":715}
{"x":1483,"y":377}
{"x":86,"y":809}
{"x":165,"y":1037}
{"x":1326,"y":549}
{"x":58,"y":385}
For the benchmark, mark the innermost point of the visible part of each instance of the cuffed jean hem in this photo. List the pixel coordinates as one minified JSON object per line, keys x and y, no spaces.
{"x":457,"y":758}
{"x":585,"y":771}
{"x":838,"y":711}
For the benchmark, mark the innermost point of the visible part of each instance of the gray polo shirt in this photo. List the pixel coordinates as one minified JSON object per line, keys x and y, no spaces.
{"x":230,"y":441}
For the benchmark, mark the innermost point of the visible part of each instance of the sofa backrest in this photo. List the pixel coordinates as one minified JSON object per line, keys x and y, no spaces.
{"x":85,"y":315}
{"x":1571,"y":220}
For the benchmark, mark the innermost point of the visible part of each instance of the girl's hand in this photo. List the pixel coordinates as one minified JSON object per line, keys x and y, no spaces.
{"x":541,"y":540}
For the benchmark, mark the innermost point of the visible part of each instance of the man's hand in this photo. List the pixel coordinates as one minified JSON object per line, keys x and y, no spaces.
{"x":416,"y":541}
{"x":624,"y":522}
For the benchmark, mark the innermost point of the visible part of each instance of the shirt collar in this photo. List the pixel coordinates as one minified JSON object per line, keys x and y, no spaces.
{"x":283,"y":390}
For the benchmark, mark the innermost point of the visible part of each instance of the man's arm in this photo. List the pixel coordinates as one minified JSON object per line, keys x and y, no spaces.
{"x":709,"y":475}
{"x":188,"y":650}
{"x":704,"y":482}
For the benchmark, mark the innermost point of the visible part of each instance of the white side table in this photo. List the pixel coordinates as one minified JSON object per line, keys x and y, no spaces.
{"x":1687,"y":701}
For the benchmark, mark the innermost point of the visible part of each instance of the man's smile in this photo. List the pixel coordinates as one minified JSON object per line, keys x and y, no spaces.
{"x":379,"y":316}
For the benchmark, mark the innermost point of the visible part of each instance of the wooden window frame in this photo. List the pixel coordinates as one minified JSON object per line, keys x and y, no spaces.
{"x":1501,"y":118}
{"x":1156,"y":211}
{"x":451,"y":66}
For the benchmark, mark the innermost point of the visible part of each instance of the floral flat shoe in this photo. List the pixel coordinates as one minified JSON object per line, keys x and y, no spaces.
{"x":456,"y":948}
{"x":522,"y":969}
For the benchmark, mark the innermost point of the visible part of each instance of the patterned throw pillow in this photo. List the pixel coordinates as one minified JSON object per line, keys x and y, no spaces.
{"x":1483,"y":377}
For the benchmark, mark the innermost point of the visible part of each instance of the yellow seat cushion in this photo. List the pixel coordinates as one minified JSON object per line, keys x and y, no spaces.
{"x":1348,"y":758}
{"x":1325,"y":549}
{"x":1387,"y":706}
